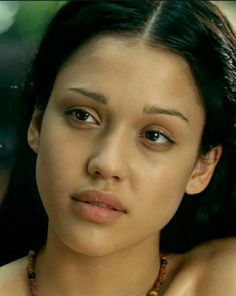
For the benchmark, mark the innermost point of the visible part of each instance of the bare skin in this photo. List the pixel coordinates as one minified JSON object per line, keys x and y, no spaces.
{"x":122,"y":117}
{"x":207,"y":270}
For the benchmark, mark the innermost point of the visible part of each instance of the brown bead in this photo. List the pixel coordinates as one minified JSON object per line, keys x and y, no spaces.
{"x":163,"y":261}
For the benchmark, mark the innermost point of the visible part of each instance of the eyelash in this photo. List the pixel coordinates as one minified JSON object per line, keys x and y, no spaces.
{"x":82,"y":111}
{"x":73,"y":113}
{"x":158,"y":134}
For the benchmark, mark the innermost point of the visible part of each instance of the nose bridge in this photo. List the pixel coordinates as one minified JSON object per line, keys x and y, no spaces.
{"x":112,"y":142}
{"x":108,"y":158}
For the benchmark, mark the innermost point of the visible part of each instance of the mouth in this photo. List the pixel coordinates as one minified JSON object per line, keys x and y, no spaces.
{"x":97,"y":206}
{"x":100,"y":199}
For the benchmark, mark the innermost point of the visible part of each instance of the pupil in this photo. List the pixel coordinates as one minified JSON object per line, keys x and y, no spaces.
{"x":82,"y":115}
{"x":153,"y":136}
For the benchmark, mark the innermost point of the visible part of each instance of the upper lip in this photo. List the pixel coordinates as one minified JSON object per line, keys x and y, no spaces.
{"x":94,"y":196}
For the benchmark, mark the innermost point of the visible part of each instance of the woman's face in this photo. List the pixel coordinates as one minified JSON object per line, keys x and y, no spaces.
{"x":123,"y":119}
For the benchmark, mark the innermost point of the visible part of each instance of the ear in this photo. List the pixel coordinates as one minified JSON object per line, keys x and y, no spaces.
{"x":34,"y":130}
{"x":203,"y":171}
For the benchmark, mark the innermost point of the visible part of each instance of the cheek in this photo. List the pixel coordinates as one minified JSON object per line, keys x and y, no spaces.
{"x":61,"y":162}
{"x":164,"y":189}
{"x":165,"y":199}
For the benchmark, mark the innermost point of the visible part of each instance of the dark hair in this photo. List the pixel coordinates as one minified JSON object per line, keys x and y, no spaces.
{"x":196,"y":30}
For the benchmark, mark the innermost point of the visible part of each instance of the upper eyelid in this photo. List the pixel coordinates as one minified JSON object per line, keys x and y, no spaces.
{"x":168,"y":137}
{"x":96,"y":116}
{"x":76,"y":108}
{"x":155,"y":146}
{"x":85,"y":109}
{"x":170,"y":140}
{"x":160,"y":130}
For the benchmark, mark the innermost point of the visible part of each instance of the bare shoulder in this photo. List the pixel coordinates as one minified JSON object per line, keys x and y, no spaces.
{"x":218,"y":259}
{"x":13,"y":278}
{"x":207,"y":270}
{"x":215,"y":249}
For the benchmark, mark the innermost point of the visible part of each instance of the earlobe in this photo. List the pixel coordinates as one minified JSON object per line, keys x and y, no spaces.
{"x":33,"y":135}
{"x":203,"y":171}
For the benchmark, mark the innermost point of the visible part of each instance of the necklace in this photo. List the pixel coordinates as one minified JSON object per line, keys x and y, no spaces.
{"x":31,"y":275}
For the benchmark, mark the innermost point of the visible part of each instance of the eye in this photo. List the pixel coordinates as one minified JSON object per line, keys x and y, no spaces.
{"x":157,"y":139}
{"x":82,"y":115}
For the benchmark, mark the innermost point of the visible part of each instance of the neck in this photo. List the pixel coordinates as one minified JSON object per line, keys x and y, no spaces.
{"x":63,"y":271}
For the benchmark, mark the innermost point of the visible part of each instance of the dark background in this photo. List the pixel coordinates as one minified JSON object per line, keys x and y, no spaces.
{"x":21,"y":26}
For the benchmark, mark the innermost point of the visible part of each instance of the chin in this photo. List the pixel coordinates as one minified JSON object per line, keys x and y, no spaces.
{"x":93,"y":250}
{"x":89,"y":246}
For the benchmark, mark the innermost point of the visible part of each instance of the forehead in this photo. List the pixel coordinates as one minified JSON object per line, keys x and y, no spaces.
{"x":119,"y":50}
{"x":128,"y":67}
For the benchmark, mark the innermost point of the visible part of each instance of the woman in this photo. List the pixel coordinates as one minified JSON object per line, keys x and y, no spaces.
{"x":131,"y":120}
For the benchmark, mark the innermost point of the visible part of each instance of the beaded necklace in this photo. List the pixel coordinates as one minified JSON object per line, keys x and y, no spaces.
{"x":31,"y":275}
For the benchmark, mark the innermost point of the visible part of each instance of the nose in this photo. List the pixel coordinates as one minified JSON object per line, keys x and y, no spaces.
{"x":108,"y":161}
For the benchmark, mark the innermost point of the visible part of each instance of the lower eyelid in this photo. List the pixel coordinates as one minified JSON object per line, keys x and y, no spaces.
{"x":157,"y":146}
{"x":163,"y":134}
{"x":169,"y":139}
{"x":74,"y":110}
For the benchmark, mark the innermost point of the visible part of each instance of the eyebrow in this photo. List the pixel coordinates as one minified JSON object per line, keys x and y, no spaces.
{"x":92,"y":95}
{"x":152,"y":109}
{"x":148,"y":109}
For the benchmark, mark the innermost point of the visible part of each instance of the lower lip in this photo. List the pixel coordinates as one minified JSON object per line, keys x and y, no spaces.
{"x":96,"y":213}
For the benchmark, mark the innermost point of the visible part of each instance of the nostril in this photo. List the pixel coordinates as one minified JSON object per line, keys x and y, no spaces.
{"x":103,"y":170}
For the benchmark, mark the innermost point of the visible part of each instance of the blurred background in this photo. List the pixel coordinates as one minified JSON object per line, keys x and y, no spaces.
{"x":21,"y":26}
